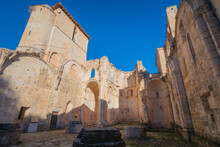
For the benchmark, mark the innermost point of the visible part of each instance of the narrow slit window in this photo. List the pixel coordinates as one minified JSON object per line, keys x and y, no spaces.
{"x":93,"y":73}
{"x":74,"y":34}
{"x":157,"y":95}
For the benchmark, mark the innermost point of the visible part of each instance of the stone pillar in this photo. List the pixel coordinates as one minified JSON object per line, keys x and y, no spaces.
{"x":102,"y":115}
{"x":184,"y":112}
{"x":207,"y":40}
{"x":99,"y":121}
{"x":183,"y":103}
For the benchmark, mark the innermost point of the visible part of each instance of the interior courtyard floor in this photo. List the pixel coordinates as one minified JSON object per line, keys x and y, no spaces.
{"x":58,"y":138}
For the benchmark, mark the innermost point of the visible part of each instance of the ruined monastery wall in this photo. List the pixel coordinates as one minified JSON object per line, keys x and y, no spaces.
{"x":47,"y":79}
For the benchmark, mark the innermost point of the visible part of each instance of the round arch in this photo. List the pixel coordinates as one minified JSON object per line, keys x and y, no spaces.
{"x":91,"y":81}
{"x":31,"y":81}
{"x":71,"y":63}
{"x":54,"y":59}
{"x":158,"y":103}
{"x":15,"y":56}
{"x":92,"y":103}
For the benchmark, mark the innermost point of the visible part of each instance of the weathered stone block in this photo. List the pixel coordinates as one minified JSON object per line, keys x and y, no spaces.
{"x":99,"y":137}
{"x":32,"y":127}
{"x":74,"y":127}
{"x":135,"y":132}
{"x":9,"y":134}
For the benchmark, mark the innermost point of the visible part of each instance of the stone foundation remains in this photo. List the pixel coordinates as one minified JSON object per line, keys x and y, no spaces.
{"x":99,"y":137}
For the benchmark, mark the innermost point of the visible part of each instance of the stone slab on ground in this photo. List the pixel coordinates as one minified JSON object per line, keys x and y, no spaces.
{"x":74,"y":127}
{"x":134,"y":132}
{"x":32,"y":127}
{"x":99,"y":137}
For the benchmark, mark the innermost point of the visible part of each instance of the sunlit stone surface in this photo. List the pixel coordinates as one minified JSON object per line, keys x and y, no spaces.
{"x":48,"y":81}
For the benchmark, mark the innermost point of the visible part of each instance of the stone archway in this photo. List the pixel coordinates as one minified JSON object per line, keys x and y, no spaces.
{"x":92,"y":104}
{"x":158,"y":101}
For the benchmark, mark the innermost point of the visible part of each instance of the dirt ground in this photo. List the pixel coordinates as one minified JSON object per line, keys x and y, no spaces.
{"x":58,"y":138}
{"x":159,"y":139}
{"x":53,"y":138}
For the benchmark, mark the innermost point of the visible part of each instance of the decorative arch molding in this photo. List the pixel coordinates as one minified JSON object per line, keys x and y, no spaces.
{"x":68,"y":103}
{"x":207,"y":25}
{"x":72,"y":62}
{"x":89,"y":81}
{"x":51,"y":59}
{"x":195,"y":4}
{"x":68,"y":111}
{"x":61,"y":69}
{"x":155,"y":79}
{"x":18,"y":54}
{"x":190,"y":3}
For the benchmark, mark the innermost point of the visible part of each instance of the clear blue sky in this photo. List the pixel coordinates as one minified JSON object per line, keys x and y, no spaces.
{"x":123,"y":30}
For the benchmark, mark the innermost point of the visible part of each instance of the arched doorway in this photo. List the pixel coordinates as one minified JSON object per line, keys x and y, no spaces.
{"x":158,"y":103}
{"x":91,"y":107}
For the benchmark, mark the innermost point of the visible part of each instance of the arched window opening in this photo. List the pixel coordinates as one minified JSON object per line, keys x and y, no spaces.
{"x":93,"y":73}
{"x":157,"y":94}
{"x":182,"y":31}
{"x":191,"y":47}
{"x":131,"y":92}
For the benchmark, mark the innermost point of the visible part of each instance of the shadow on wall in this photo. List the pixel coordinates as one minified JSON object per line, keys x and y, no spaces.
{"x":7,"y":102}
{"x":128,"y":101}
{"x":53,"y":120}
{"x":156,"y":100}
{"x":11,"y":112}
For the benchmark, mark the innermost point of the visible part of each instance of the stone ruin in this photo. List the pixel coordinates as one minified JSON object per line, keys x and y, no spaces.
{"x":99,"y":137}
{"x":9,"y":134}
{"x":49,"y":77}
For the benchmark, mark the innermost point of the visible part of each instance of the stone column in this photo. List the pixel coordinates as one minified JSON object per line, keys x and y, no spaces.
{"x":99,"y":121}
{"x":101,"y":113}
